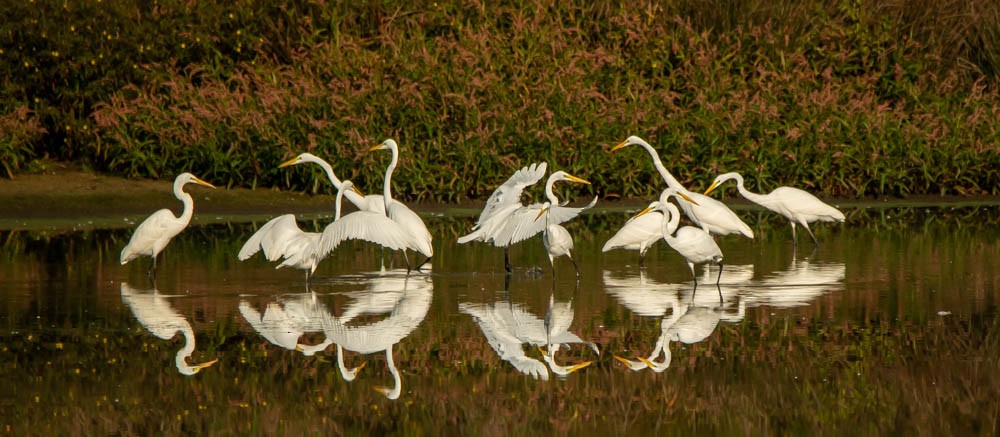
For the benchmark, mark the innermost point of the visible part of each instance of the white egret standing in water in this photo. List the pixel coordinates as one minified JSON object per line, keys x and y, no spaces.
{"x":641,"y":232}
{"x":520,"y":223}
{"x":557,"y":241}
{"x":400,"y":213}
{"x":694,"y":244}
{"x":709,"y":214}
{"x":794,"y":204}
{"x":154,"y":233}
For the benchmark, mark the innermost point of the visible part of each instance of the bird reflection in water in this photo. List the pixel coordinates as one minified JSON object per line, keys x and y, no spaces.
{"x":406,"y":300}
{"x":509,"y":326}
{"x":404,"y":317}
{"x":684,"y":316}
{"x":798,"y":285}
{"x":285,"y":320}
{"x":154,"y":312}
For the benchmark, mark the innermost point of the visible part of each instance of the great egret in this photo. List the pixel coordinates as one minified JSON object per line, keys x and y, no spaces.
{"x":641,"y":232}
{"x":371,"y":202}
{"x":506,"y":198}
{"x":154,"y":312}
{"x":520,"y":223}
{"x":281,"y":237}
{"x":694,"y":244}
{"x":154,"y":233}
{"x":400,"y":213}
{"x":709,"y":214}
{"x":557,"y":241}
{"x":794,"y":204}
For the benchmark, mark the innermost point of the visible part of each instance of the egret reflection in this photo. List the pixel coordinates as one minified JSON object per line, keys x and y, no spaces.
{"x":508,"y":327}
{"x":684,"y":316}
{"x":798,"y":285}
{"x":154,"y":312}
{"x":405,"y":315}
{"x":287,"y":319}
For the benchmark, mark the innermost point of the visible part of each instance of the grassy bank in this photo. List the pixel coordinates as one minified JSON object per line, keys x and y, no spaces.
{"x":841,"y":97}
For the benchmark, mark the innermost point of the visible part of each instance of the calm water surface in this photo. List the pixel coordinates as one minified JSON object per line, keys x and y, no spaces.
{"x":890,"y":325}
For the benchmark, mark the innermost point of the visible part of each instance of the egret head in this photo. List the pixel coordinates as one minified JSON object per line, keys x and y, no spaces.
{"x":186,"y":369}
{"x":348,"y":185}
{"x":186,"y":178}
{"x":302,"y":158}
{"x":632,"y":140}
{"x":655,"y":206}
{"x":563,"y":176}
{"x":388,"y":144}
{"x":545,"y":209}
{"x":722,"y":178}
{"x":665,"y":195}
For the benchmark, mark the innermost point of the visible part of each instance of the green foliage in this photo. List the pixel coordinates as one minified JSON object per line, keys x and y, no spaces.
{"x":843,"y":97}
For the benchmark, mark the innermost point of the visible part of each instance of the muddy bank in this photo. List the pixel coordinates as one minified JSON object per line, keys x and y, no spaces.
{"x":71,"y":198}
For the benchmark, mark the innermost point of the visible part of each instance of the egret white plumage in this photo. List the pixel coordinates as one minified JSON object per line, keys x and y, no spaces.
{"x":281,"y":238}
{"x":400,"y":213}
{"x":641,"y":232}
{"x":798,"y":206}
{"x":504,"y":229}
{"x":557,"y":241}
{"x":709,"y":214}
{"x":371,"y":202}
{"x":154,"y":312}
{"x":694,"y":244}
{"x":154,"y":233}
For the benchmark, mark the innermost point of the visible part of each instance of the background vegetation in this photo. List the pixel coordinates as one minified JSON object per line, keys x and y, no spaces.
{"x":843,"y":97}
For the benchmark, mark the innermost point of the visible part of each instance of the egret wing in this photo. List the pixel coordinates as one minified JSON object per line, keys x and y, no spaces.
{"x":637,"y":233}
{"x":363,"y":225}
{"x":510,"y":192}
{"x":793,"y":202}
{"x":273,"y":238}
{"x":151,"y":230}
{"x":413,"y":225}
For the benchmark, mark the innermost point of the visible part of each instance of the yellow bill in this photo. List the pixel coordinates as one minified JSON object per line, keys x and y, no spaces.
{"x":712,"y":187}
{"x":292,"y":161}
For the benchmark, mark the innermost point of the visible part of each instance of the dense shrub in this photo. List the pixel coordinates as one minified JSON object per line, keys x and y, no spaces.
{"x":843,"y":97}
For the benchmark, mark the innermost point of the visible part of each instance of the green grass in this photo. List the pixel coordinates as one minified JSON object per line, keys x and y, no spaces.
{"x":840,"y":97}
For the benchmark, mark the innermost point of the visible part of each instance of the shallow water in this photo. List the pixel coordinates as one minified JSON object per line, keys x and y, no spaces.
{"x":890,"y":325}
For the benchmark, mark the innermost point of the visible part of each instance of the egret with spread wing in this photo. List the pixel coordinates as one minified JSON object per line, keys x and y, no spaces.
{"x":281,"y":238}
{"x":400,"y":213}
{"x":520,"y":223}
{"x":709,"y":214}
{"x":794,"y":204}
{"x":154,"y":233}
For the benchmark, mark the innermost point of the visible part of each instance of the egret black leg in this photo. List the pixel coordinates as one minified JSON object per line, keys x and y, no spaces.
{"x":506,"y":259}
{"x":718,"y":284}
{"x":422,"y":264}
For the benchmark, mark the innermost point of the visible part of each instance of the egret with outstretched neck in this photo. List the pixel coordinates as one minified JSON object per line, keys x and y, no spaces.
{"x":709,"y":214}
{"x":798,"y":206}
